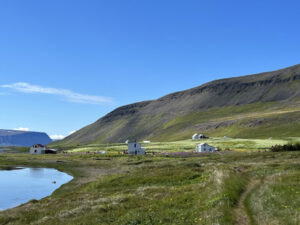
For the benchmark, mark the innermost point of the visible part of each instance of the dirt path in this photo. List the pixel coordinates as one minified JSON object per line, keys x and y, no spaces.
{"x":240,"y":211}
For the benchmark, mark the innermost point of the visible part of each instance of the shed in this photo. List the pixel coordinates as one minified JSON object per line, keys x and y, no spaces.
{"x":50,"y":151}
{"x":202,"y":136}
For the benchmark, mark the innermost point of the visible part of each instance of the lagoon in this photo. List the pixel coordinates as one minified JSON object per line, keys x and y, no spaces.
{"x":20,"y":185}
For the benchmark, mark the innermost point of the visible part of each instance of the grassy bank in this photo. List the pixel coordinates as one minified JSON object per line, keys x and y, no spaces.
{"x":162,"y":190}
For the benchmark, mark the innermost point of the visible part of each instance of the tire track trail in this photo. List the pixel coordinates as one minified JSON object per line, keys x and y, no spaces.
{"x":240,"y":211}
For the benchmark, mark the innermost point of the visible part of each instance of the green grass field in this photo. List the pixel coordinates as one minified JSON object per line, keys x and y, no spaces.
{"x":230,"y":187}
{"x":189,"y":145}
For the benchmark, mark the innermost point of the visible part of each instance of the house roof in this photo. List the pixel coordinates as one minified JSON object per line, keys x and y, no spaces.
{"x":38,"y":145}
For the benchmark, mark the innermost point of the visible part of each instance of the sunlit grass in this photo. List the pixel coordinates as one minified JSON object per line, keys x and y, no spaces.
{"x":223,"y":143}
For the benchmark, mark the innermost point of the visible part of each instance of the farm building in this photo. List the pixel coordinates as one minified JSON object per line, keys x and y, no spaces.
{"x":50,"y":151}
{"x":135,"y":148}
{"x":202,"y":136}
{"x":195,"y":137}
{"x":203,"y":147}
{"x":37,"y":149}
{"x":198,"y":136}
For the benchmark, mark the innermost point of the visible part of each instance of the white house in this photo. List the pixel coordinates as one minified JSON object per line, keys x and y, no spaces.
{"x":195,"y":137}
{"x":37,"y":149}
{"x":136,"y":149}
{"x":203,"y":147}
{"x":198,"y":136}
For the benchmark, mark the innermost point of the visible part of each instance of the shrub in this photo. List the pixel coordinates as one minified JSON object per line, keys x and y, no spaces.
{"x":287,"y":147}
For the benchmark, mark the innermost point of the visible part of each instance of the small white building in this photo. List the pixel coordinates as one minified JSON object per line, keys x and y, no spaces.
{"x":37,"y":149}
{"x":135,"y":148}
{"x":203,"y":147}
{"x":198,"y":136}
{"x":195,"y":137}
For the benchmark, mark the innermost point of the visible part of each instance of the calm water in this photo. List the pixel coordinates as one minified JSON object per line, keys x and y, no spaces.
{"x":21,"y":185}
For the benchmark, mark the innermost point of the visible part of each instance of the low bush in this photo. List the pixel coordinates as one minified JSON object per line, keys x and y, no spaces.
{"x":287,"y":147}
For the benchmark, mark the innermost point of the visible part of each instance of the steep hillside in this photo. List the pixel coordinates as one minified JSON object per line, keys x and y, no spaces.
{"x":22,"y":138}
{"x":260,"y":105}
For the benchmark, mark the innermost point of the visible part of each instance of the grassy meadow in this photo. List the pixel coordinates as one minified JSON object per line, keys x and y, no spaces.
{"x":224,"y":143}
{"x":247,"y":185}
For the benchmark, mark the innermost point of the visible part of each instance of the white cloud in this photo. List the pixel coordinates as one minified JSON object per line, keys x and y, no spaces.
{"x":73,"y":131}
{"x":22,"y":129}
{"x":57,"y":137}
{"x":67,"y":94}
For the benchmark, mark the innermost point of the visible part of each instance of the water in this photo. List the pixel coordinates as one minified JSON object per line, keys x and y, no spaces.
{"x":21,"y":185}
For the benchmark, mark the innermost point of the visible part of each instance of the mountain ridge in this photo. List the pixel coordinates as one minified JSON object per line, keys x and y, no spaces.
{"x":22,"y":138}
{"x":166,"y":118}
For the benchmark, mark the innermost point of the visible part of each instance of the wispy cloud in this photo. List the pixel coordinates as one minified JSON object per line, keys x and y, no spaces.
{"x":22,"y":128}
{"x":57,"y":137}
{"x":67,"y":94}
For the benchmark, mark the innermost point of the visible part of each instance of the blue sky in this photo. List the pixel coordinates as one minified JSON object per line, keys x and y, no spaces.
{"x":66,"y":63}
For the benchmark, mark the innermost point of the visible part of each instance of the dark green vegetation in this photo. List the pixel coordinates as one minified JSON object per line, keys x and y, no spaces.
{"x":287,"y":147}
{"x":164,"y":190}
{"x":257,"y":106}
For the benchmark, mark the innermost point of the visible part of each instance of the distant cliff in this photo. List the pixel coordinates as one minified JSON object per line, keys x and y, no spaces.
{"x":23,"y":138}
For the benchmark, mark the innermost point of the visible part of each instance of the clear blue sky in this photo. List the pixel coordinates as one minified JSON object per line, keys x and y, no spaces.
{"x":66,"y":63}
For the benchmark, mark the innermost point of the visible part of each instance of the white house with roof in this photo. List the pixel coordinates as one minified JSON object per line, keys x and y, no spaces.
{"x":195,"y":137}
{"x":198,"y":136}
{"x":203,"y":147}
{"x":37,"y":149}
{"x":135,"y":148}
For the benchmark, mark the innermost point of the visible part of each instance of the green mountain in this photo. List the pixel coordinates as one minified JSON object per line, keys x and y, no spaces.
{"x":261,"y":105}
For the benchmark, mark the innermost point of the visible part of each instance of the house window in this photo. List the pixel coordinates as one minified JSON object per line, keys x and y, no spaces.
{"x":35,"y":150}
{"x":135,"y":145}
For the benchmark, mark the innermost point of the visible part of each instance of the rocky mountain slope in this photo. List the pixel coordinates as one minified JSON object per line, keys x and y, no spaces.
{"x":260,"y":105}
{"x":23,"y":138}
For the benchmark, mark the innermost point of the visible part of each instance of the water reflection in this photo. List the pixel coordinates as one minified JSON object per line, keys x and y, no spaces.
{"x":22,"y":185}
